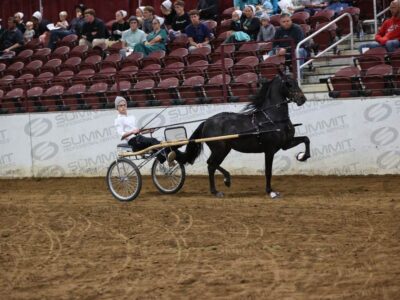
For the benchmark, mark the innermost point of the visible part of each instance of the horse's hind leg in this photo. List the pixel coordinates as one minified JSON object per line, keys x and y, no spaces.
{"x":216,"y":158}
{"x":301,"y":156}
{"x":227,"y":176}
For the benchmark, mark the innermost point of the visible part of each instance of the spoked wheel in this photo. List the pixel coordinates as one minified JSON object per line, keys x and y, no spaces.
{"x":124,"y":180}
{"x":168,"y":180}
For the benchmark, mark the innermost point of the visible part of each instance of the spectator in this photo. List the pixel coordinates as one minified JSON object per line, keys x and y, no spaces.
{"x":2,"y":30}
{"x":139,"y":15}
{"x":198,"y":33}
{"x":19,"y":16}
{"x":337,"y":6}
{"x":389,"y":33}
{"x":268,"y":7}
{"x":94,"y":31}
{"x":74,"y":28}
{"x":249,"y":23}
{"x":119,"y":26}
{"x":208,"y":9}
{"x":12,"y":38}
{"x":290,"y":6}
{"x":148,"y":16}
{"x":131,"y":37}
{"x":182,"y":19}
{"x":155,"y":41}
{"x":29,"y":32}
{"x":63,"y":23}
{"x":39,"y":25}
{"x":168,"y":13}
{"x":267,"y":30}
{"x":287,"y":34}
{"x":240,"y":4}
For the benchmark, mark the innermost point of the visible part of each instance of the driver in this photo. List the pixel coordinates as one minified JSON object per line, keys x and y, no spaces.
{"x":128,"y":130}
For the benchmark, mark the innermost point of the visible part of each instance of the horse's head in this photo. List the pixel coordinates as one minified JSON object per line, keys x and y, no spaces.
{"x":291,"y":89}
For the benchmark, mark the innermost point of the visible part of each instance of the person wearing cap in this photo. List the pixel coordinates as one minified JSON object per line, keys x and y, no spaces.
{"x":131,"y":37}
{"x":94,"y":31}
{"x":155,"y":40}
{"x":74,"y":28}
{"x":39,"y":25}
{"x":19,"y":16}
{"x":267,"y":30}
{"x":208,"y":9}
{"x":12,"y":39}
{"x":129,"y":131}
{"x":198,"y":33}
{"x":167,"y":12}
{"x":119,"y":26}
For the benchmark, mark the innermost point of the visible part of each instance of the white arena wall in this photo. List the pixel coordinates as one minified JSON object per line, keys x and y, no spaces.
{"x":348,"y":137}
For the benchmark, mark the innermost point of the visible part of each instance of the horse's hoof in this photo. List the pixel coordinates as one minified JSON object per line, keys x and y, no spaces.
{"x":227,"y":182}
{"x":274,"y":195}
{"x":301,"y":156}
{"x":219,"y":194}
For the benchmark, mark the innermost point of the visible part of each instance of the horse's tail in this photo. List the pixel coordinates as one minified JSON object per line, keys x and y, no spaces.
{"x":193,"y":149}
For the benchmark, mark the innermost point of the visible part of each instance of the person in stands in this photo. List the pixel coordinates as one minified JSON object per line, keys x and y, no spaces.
{"x":19,"y":16}
{"x":119,"y":26}
{"x":182,"y":19}
{"x":208,"y":9}
{"x":156,"y":40}
{"x":94,"y":31}
{"x":74,"y":28}
{"x":131,"y":37}
{"x":389,"y":33}
{"x":198,"y":33}
{"x":287,"y":35}
{"x":12,"y":39}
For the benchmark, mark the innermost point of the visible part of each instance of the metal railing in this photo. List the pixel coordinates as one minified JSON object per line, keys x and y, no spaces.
{"x":349,"y":35}
{"x":377,"y":15}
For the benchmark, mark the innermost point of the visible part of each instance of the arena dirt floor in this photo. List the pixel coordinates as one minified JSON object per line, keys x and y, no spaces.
{"x":327,"y":238}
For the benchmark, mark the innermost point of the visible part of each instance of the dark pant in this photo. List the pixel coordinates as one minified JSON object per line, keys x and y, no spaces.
{"x":141,"y":142}
{"x":56,"y":35}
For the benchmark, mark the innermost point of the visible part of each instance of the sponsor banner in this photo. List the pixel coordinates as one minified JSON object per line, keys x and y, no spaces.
{"x":348,"y":137}
{"x":15,"y":147}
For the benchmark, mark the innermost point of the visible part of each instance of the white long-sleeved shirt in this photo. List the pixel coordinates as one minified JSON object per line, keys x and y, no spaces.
{"x":124,"y":123}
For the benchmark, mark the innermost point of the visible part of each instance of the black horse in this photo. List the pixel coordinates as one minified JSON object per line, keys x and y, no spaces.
{"x":268,"y":115}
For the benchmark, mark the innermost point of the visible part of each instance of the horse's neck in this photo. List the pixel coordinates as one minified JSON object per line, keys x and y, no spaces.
{"x":277,"y":103}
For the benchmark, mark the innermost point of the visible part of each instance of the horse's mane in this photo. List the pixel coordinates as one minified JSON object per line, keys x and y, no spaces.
{"x":258,"y":100}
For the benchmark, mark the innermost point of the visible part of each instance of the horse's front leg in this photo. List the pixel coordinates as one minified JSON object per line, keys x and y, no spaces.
{"x":301,"y":156}
{"x":269,"y":159}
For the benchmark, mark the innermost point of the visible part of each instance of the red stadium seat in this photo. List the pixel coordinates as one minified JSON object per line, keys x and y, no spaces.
{"x":74,"y":97}
{"x":105,"y":75}
{"x":275,"y":20}
{"x":112,"y":60}
{"x":215,"y":89}
{"x":53,"y":65}
{"x":134,"y":59}
{"x":192,"y":91}
{"x":128,"y":72}
{"x":245,"y":65}
{"x":322,"y":16}
{"x":24,"y":81}
{"x":223,"y":51}
{"x":326,"y":37}
{"x":42,"y":54}
{"x":173,"y":70}
{"x":84,"y":76}
{"x":156,"y":57}
{"x":300,"y":17}
{"x":243,"y":87}
{"x":43,"y":79}
{"x":72,"y":64}
{"x":64,"y":78}
{"x":198,"y":68}
{"x":178,"y":55}
{"x":377,"y":80}
{"x":52,"y":98}
{"x":370,"y":58}
{"x":14,"y":69}
{"x":181,"y":41}
{"x":96,"y":96}
{"x":60,"y":53}
{"x":345,"y":83}
{"x":3,"y":67}
{"x":199,"y":54}
{"x":271,"y":66}
{"x":70,"y":41}
{"x":92,"y":62}
{"x":24,"y":56}
{"x":6,"y":82}
{"x":79,"y":51}
{"x":227,"y":13}
{"x":34,"y":67}
{"x":149,"y":72}
{"x":115,"y":48}
{"x":120,"y":88}
{"x":12,"y":101}
{"x":166,"y":92}
{"x":142,"y":92}
{"x":33,"y":99}
{"x":217,"y":68}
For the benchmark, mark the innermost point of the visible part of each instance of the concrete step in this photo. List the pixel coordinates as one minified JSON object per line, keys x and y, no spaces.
{"x":314,"y":88}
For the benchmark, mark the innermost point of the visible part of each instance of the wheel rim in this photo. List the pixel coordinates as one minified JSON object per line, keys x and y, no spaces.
{"x":124,"y":180}
{"x":167,"y":178}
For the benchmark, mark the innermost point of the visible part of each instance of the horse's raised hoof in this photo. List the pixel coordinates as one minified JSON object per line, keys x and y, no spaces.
{"x":219,"y":194}
{"x":227,"y":182}
{"x":301,"y":156}
{"x":274,"y":195}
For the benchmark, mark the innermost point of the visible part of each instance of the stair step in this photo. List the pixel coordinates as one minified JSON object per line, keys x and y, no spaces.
{"x":314,"y":88}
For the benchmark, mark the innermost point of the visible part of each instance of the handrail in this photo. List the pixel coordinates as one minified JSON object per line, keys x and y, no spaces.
{"x":349,"y":35}
{"x":376,"y":16}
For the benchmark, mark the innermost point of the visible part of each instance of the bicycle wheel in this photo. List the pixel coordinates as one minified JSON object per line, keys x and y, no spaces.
{"x":168,"y":180}
{"x":124,"y":179}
